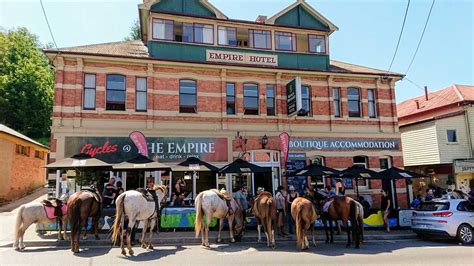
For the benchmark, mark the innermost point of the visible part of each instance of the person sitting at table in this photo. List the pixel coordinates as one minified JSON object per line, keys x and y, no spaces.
{"x":179,"y":186}
{"x":179,"y":201}
{"x":119,"y":190}
{"x":109,"y":192}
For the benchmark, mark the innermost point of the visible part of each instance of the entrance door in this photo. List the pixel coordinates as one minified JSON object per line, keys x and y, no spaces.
{"x":263,"y":180}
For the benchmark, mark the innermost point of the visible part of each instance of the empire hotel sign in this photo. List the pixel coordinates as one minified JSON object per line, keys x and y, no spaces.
{"x":241,"y":58}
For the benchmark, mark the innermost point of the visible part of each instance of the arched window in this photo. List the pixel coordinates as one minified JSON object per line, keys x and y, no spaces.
{"x":353,"y":101}
{"x":187,"y":96}
{"x":116,"y":93}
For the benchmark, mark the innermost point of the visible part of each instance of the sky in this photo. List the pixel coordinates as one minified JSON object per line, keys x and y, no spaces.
{"x":368,"y":31}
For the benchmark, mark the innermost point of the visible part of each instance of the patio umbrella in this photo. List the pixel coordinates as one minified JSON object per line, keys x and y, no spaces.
{"x":81,"y":160}
{"x":141,"y":162}
{"x":397,"y":173}
{"x":359,"y":172}
{"x":196,"y":165}
{"x":241,"y":166}
{"x":318,"y":170}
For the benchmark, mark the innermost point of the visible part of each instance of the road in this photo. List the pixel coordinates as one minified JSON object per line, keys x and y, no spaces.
{"x":403,"y":252}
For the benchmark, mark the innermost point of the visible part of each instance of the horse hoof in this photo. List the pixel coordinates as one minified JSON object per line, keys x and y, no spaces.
{"x":144,"y":245}
{"x":130,"y":252}
{"x":22,"y":247}
{"x":123,"y":252}
{"x":232,"y":240}
{"x":150,"y":246}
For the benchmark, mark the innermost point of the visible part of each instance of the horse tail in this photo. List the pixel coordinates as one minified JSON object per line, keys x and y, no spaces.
{"x":119,"y":205}
{"x":75,"y":216}
{"x":19,"y":221}
{"x":354,"y":218}
{"x":299,"y":228}
{"x":199,"y":214}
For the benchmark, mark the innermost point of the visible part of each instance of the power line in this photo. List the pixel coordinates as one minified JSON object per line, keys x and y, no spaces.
{"x":400,"y":36}
{"x":423,"y":89}
{"x":49,"y":27}
{"x":421,"y":38}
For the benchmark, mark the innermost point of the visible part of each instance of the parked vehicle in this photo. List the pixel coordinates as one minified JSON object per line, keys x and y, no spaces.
{"x":453,"y":218}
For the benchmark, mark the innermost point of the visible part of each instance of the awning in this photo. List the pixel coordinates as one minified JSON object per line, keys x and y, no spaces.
{"x":318,"y":170}
{"x":141,"y":162}
{"x":240,"y":166}
{"x":194,"y":164}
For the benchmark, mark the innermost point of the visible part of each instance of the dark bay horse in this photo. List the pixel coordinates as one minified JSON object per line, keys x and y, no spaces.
{"x":344,"y":209}
{"x":81,"y":206}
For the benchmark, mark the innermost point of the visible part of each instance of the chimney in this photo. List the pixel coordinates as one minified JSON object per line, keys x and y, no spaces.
{"x":261,"y":19}
{"x":417,"y":104}
{"x":426,"y":93}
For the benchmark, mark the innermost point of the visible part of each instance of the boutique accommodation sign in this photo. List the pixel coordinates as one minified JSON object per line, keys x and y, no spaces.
{"x":345,"y":144}
{"x":241,"y":58}
{"x":163,"y":149}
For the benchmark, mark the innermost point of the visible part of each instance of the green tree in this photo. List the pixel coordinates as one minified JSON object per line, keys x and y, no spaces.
{"x":135,"y":33}
{"x":26,"y":84}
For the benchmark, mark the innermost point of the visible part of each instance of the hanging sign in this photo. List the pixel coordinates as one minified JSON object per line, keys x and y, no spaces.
{"x":294,"y":99}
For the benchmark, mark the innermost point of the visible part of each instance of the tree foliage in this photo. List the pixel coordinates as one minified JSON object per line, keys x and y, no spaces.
{"x":135,"y":33}
{"x":26,"y":84}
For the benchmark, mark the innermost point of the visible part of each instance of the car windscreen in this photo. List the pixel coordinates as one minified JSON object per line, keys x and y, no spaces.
{"x":434,"y":206}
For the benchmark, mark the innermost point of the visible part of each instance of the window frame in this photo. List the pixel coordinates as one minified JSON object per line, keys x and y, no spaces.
{"x":22,"y":150}
{"x":310,"y":50}
{"x":107,"y":91}
{"x":455,"y":136}
{"x":338,"y":100}
{"x":153,"y":31}
{"x":218,"y":36}
{"x":251,"y":35}
{"x":389,"y":160}
{"x":273,"y":99}
{"x":373,"y":102}
{"x":137,"y":92}
{"x":366,"y":165}
{"x":227,"y":98}
{"x":194,"y":33}
{"x":294,"y":42}
{"x":258,"y":99}
{"x":89,"y":88}
{"x":310,"y":101}
{"x":359,"y":103}
{"x":182,"y":109}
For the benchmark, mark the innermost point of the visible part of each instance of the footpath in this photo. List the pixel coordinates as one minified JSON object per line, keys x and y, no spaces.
{"x":33,"y":239}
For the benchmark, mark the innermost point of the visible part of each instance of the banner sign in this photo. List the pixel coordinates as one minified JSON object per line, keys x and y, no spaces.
{"x":463,"y":166}
{"x":294,"y":100}
{"x":284,"y":146}
{"x":163,"y":149}
{"x":241,"y":58}
{"x":343,"y":144}
{"x":294,"y":163}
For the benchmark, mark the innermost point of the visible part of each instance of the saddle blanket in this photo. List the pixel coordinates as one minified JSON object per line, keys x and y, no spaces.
{"x":326,"y":206}
{"x":50,"y":211}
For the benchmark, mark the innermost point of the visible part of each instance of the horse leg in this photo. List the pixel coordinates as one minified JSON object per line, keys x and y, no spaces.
{"x":265,"y":229}
{"x":221,"y":226}
{"x":312,"y":233}
{"x":84,"y":224}
{"x":331,"y":230}
{"x":142,"y":239}
{"x":346,"y":226}
{"x":259,"y":225}
{"x":95,"y":223}
{"x":231,"y":228}
{"x":129,"y":236}
{"x":152,"y":225}
{"x":21,"y":233}
{"x":323,"y":219}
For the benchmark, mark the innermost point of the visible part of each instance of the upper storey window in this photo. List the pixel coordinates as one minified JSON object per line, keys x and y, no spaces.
{"x":251,"y":99}
{"x":196,"y":33}
{"x":260,"y":39}
{"x":116,"y":93}
{"x":163,"y":29}
{"x":187,"y":96}
{"x":227,"y":36}
{"x":317,"y":44}
{"x":353,"y":102}
{"x":285,"y":41}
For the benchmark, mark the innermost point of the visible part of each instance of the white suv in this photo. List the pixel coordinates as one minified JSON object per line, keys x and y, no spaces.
{"x":453,"y":218}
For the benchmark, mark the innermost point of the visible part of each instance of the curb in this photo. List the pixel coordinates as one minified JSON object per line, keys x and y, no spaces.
{"x":197,"y":241}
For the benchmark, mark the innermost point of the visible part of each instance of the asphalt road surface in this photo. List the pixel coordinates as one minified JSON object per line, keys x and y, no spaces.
{"x":402,"y":252}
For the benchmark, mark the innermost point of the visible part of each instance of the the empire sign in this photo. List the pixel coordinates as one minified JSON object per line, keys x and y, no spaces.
{"x":338,"y":144}
{"x":163,"y":149}
{"x":241,"y":58}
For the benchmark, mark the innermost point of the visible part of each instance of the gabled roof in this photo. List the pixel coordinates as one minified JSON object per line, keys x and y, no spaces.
{"x":447,"y":96}
{"x":147,"y":4}
{"x":138,"y":50}
{"x":17,"y":134}
{"x":309,"y":8}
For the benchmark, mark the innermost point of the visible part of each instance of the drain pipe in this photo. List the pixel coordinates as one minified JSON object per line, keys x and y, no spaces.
{"x":469,"y":130}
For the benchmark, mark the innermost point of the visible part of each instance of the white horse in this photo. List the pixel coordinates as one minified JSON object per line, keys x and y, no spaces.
{"x":34,"y":212}
{"x":212,"y":204}
{"x":134,"y":205}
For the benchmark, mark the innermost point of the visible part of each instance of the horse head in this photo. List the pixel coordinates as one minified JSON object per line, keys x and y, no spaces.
{"x":161,"y":192}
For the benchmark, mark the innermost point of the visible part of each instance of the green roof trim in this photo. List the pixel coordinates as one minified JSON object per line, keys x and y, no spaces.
{"x":188,"y":7}
{"x":300,"y":17}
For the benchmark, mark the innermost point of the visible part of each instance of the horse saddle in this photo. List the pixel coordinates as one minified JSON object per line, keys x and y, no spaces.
{"x":150,"y":196}
{"x":223,"y":195}
{"x":54,"y":210}
{"x":94,"y":193}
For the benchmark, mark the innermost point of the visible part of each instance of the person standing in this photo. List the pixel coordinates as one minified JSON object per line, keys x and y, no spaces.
{"x":280,"y":198}
{"x":385,"y":208}
{"x":340,"y":188}
{"x":241,"y":199}
{"x":289,"y":200}
{"x":109,"y":192}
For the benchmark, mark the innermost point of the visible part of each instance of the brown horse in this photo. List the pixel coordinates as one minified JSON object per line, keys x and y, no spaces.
{"x":265,"y":212}
{"x":304,"y":214}
{"x":345,"y":209}
{"x":81,"y":206}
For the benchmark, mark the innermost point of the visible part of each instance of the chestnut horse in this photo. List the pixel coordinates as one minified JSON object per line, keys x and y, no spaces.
{"x":265,"y":212}
{"x":304,"y":214}
{"x":81,"y":206}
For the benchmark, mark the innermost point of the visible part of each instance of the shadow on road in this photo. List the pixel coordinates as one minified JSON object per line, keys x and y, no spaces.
{"x":156,"y":254}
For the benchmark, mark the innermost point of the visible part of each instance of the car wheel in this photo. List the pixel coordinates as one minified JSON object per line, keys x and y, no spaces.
{"x":465,"y":234}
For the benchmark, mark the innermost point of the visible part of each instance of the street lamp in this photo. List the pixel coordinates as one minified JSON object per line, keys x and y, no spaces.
{"x":264,"y":141}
